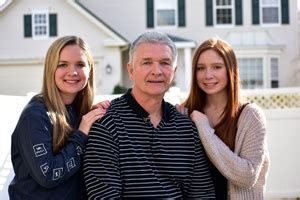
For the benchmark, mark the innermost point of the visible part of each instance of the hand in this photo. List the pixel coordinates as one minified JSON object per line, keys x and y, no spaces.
{"x":180,"y":108}
{"x":103,"y":104}
{"x":198,"y":117}
{"x":89,"y":118}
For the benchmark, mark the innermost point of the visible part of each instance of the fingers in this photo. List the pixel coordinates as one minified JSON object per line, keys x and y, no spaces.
{"x":104,"y":104}
{"x":89,"y":118}
{"x":181,"y":109}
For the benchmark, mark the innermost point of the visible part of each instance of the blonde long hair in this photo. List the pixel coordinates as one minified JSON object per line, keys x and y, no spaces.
{"x":51,"y":95}
{"x":227,"y":127}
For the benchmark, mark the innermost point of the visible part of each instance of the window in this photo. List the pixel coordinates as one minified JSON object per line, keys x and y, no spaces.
{"x":270,"y":11}
{"x":274,"y":73}
{"x":251,"y":72}
{"x":165,"y":13}
{"x":40,"y":25}
{"x":224,"y":12}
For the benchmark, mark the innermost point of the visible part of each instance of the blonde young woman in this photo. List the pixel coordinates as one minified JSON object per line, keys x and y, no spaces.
{"x":233,"y":133}
{"x":52,"y":130}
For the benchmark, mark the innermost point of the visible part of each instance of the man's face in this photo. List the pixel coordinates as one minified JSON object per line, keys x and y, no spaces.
{"x":152,"y":69}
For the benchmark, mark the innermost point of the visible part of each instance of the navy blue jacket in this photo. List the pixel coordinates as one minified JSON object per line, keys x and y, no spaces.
{"x":39,"y":173}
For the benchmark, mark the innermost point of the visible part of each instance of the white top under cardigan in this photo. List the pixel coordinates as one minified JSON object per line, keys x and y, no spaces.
{"x":246,"y":168}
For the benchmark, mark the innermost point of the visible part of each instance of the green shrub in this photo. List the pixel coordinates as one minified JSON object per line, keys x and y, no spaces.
{"x":118,"y":89}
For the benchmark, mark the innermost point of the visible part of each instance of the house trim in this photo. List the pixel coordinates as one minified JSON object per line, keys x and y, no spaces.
{"x":5,"y":5}
{"x":118,"y":39}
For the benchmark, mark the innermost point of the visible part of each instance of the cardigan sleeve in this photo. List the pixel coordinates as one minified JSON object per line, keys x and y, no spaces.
{"x":241,"y":167}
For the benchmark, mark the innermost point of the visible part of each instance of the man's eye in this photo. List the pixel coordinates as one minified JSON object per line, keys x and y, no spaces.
{"x":146,"y":63}
{"x":165,"y":63}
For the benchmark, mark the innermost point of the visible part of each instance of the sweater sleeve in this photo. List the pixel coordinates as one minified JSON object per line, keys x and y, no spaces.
{"x":100,"y":166}
{"x":243,"y":166}
{"x":35,"y":143}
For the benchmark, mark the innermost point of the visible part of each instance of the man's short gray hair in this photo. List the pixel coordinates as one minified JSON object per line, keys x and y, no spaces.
{"x":153,"y":37}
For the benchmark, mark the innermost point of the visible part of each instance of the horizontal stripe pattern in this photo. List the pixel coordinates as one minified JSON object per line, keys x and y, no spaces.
{"x":126,"y":157}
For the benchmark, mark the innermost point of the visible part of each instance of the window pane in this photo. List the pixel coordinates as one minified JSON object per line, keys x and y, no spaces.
{"x":274,"y":68}
{"x":165,"y":4}
{"x":251,"y":72}
{"x":224,"y":16}
{"x":270,"y":15}
{"x":165,"y":17}
{"x":223,"y":2}
{"x":270,"y":2}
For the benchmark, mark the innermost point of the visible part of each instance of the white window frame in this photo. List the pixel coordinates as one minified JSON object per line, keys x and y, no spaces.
{"x":216,"y":7}
{"x":174,"y":6}
{"x":34,"y":25}
{"x":262,"y":6}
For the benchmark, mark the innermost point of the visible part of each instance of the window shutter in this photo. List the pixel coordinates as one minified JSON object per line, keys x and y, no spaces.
{"x":150,"y":14}
{"x":52,"y":25}
{"x":255,"y":11}
{"x":209,"y":12}
{"x":181,"y":13}
{"x":238,"y":12}
{"x":285,"y":12}
{"x":27,"y":26}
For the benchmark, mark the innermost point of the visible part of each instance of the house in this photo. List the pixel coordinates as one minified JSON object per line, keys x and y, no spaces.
{"x":263,"y":33}
{"x":28,"y":27}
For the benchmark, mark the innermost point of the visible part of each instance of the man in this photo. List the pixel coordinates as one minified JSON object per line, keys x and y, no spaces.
{"x":143,"y":148}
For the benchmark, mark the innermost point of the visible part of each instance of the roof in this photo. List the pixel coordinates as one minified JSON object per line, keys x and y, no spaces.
{"x":4,"y":4}
{"x":252,"y":40}
{"x":182,"y":42}
{"x":120,"y":40}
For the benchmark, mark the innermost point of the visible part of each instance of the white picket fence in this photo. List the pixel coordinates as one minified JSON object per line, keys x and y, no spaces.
{"x":282,"y":110}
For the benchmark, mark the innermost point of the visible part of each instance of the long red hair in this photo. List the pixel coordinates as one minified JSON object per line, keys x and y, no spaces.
{"x":227,"y":127}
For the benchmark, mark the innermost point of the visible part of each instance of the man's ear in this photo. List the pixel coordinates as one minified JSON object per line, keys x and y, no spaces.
{"x":129,"y":70}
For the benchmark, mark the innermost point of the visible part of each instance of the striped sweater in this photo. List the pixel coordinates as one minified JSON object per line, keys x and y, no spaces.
{"x":126,"y":157}
{"x":246,"y":168}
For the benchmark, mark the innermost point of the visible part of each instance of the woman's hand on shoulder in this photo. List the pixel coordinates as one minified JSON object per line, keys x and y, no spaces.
{"x":198,"y":117}
{"x":180,"y":108}
{"x":103,"y":104}
{"x":96,"y":113}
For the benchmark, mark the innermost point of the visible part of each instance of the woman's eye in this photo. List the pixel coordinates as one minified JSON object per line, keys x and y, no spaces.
{"x":200,"y":68}
{"x":62,"y":65}
{"x":81,"y":65}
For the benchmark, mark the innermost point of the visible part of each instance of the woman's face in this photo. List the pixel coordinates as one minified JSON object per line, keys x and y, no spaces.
{"x":211,"y":73}
{"x":72,"y":72}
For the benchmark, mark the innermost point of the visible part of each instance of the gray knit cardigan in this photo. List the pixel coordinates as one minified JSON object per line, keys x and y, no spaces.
{"x":246,"y":168}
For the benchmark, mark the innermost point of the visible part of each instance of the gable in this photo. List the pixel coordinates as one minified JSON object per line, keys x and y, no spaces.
{"x":4,"y":4}
{"x":118,"y":38}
